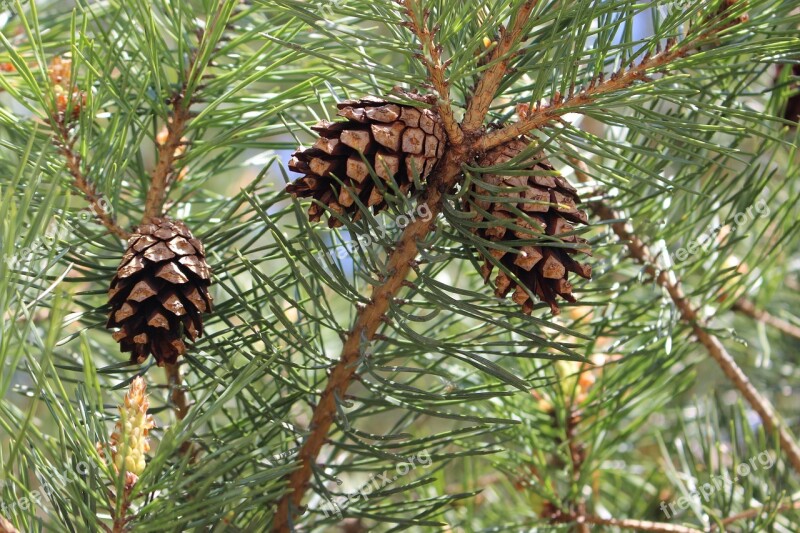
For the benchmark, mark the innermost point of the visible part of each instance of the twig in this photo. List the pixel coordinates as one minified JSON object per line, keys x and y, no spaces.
{"x":73,"y":162}
{"x":639,"y":251}
{"x":490,"y":82}
{"x":368,"y":319}
{"x":752,"y":513}
{"x":577,"y":455}
{"x":6,"y":526}
{"x":746,"y":307}
{"x":640,"y":525}
{"x":167,"y":152}
{"x":548,"y":113}
{"x":177,"y":394}
{"x":436,"y":69}
{"x":121,"y":518}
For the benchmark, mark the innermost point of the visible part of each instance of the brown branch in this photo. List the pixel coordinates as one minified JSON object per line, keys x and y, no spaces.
{"x":543,"y":115}
{"x":168,"y":151}
{"x":492,"y":78}
{"x":177,"y":393}
{"x":6,"y":526}
{"x":746,"y":307}
{"x":640,"y":525}
{"x":73,"y":162}
{"x":368,"y":319}
{"x":577,"y":455}
{"x":639,"y":251}
{"x":752,"y":513}
{"x":436,"y":69}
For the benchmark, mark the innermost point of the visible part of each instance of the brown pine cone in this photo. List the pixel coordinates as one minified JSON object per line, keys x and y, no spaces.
{"x":159,"y":292}
{"x":396,"y":140}
{"x":545,"y":207}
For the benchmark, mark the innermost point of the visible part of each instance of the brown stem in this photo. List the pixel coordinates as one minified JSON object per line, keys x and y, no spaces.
{"x":6,"y":526}
{"x":746,"y":307}
{"x":73,"y":162}
{"x":177,"y":393}
{"x":121,"y":519}
{"x":752,"y":513}
{"x":639,"y":251}
{"x":577,"y":455}
{"x":368,"y":319}
{"x":491,"y":80}
{"x":640,"y":525}
{"x":549,"y":113}
{"x":167,"y":153}
{"x":436,"y":69}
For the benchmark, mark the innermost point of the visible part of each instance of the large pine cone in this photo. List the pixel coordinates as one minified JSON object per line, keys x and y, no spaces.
{"x":159,"y":292}
{"x":397,"y":140}
{"x":545,"y":207}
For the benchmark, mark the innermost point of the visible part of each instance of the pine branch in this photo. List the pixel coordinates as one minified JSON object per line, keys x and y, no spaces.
{"x":73,"y":162}
{"x":752,"y":513}
{"x":368,"y":320}
{"x":640,"y":252}
{"x":640,"y":525}
{"x":168,"y":151}
{"x":369,"y":317}
{"x":436,"y":68}
{"x":577,"y":454}
{"x":619,"y":80}
{"x":177,"y":394}
{"x":746,"y":307}
{"x":559,"y":106}
{"x":490,"y":82}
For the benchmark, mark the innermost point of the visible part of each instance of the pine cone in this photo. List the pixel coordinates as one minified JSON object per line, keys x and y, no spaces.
{"x":397,"y":140}
{"x":159,"y":292}
{"x":549,"y":205}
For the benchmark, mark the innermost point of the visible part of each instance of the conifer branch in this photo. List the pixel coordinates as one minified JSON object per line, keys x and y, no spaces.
{"x":640,"y":525}
{"x":542,"y":115}
{"x":756,"y":511}
{"x":490,"y":82}
{"x":73,"y":162}
{"x":368,"y":320}
{"x":640,"y":252}
{"x":168,"y":151}
{"x":619,"y":80}
{"x":436,"y":68}
{"x":177,"y":394}
{"x":747,"y":308}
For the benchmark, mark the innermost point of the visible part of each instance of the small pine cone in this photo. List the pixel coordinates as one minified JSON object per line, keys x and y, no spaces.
{"x":549,"y":205}
{"x":397,"y":140}
{"x":159,"y":292}
{"x":60,"y":72}
{"x":129,"y":443}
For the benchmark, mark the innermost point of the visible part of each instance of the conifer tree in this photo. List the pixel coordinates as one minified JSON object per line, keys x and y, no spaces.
{"x":426,"y":265}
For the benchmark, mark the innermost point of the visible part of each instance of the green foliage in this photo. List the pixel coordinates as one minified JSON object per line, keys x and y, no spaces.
{"x":489,"y":394}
